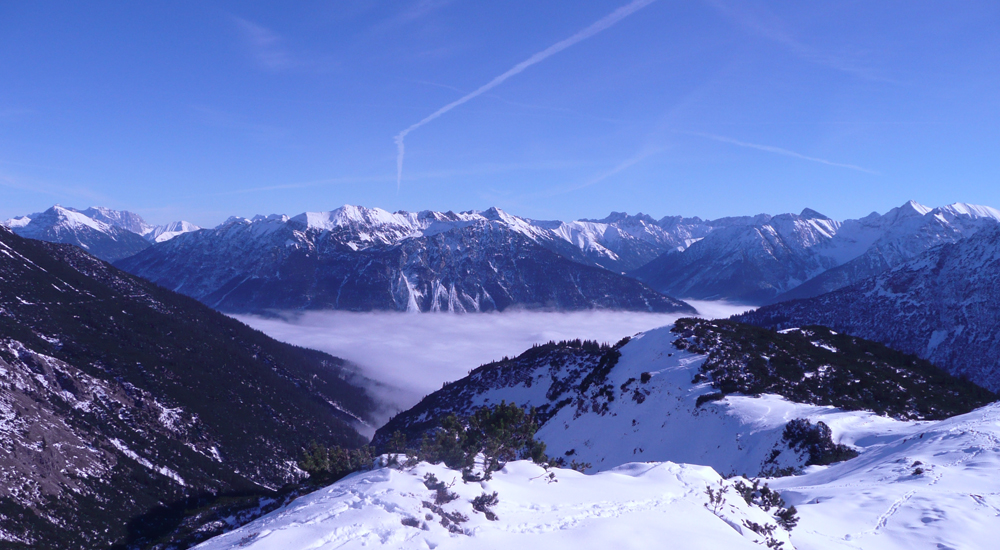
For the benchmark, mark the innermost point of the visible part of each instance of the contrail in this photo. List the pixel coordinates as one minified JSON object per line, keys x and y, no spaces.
{"x":600,"y":25}
{"x":780,"y":151}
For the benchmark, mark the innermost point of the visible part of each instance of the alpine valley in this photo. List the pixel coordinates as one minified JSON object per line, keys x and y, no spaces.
{"x":857,"y":410}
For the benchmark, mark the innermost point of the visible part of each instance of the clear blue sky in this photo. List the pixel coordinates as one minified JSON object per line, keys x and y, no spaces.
{"x":201,"y":110}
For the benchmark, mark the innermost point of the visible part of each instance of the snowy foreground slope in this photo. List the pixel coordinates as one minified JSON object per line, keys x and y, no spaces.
{"x":639,"y":505}
{"x":880,"y":500}
{"x":872,"y":502}
{"x":924,"y":484}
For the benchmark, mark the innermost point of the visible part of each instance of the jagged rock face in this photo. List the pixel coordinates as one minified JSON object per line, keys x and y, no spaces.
{"x":708,"y":392}
{"x":621,"y":242}
{"x":941,"y":306}
{"x":118,"y":397}
{"x":791,"y":256}
{"x":371,"y":260}
{"x":103,"y":232}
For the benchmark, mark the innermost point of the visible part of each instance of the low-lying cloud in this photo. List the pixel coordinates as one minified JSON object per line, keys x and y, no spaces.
{"x":411,"y":355}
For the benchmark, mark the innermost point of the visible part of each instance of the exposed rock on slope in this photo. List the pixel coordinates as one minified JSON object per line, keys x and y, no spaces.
{"x":941,"y":306}
{"x":119,"y":398}
{"x":692,"y":393}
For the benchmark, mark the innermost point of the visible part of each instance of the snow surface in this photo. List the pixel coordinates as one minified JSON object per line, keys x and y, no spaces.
{"x":876,"y":501}
{"x":640,"y":505}
{"x":914,"y":485}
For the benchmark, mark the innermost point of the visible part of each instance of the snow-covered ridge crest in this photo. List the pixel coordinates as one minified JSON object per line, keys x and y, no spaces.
{"x":106,"y":233}
{"x":99,"y":218}
{"x":636,"y":505}
{"x":770,"y":259}
{"x":700,"y":392}
{"x":619,"y":243}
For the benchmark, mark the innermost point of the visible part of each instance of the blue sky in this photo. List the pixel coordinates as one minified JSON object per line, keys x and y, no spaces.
{"x":201,"y":110}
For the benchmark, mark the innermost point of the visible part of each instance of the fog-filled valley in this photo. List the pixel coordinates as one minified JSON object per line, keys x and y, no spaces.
{"x":421,"y":274}
{"x":410,"y":355}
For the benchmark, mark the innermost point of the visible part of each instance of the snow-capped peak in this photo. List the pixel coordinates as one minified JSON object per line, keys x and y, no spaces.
{"x":971,"y":210}
{"x":64,"y":224}
{"x":810,"y":214}
{"x":71,"y":217}
{"x":348,"y":215}
{"x":910,"y":208}
{"x":18,"y":221}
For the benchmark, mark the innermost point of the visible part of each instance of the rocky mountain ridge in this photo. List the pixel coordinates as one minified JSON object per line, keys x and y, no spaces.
{"x":802,"y":255}
{"x":120,"y":400}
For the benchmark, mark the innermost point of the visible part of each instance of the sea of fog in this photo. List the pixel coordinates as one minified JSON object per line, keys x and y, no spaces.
{"x":412,"y":354}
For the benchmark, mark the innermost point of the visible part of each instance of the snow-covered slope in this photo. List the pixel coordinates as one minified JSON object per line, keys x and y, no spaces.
{"x":679,"y":393}
{"x":638,"y":506}
{"x":795,"y":256}
{"x":161,"y":233}
{"x":914,"y":484}
{"x":369,"y":259}
{"x":108,"y":234}
{"x":941,"y":306}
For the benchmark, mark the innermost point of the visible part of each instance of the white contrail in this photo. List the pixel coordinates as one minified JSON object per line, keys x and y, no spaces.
{"x":780,"y":151}
{"x":604,"y":23}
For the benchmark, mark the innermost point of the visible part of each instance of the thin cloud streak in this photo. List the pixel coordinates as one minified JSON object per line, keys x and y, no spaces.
{"x":476,"y":170}
{"x":780,"y":151}
{"x":265,"y":45}
{"x":766,"y":26}
{"x":569,"y":113}
{"x":593,"y":29}
{"x":642,"y":155}
{"x":414,"y":12}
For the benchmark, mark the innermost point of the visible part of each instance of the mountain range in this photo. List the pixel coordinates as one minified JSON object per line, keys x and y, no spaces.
{"x":108,"y":234}
{"x":120,"y":401}
{"x":360,"y":258}
{"x":364,"y":259}
{"x":802,"y":255}
{"x":127,"y":410}
{"x":941,"y":305}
